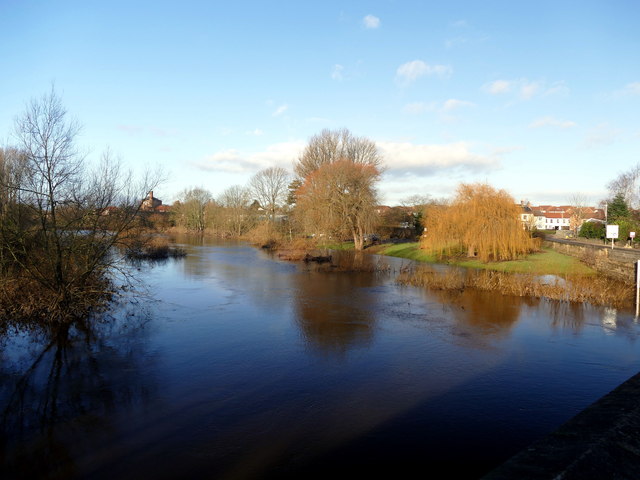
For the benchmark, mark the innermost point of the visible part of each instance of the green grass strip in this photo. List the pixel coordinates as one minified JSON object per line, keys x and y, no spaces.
{"x":546,"y":262}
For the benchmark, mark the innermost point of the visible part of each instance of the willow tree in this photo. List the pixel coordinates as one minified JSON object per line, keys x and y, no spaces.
{"x":338,"y":173}
{"x":482,"y":221}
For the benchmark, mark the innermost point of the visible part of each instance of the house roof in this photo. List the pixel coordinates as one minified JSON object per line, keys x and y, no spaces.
{"x":557,"y":215}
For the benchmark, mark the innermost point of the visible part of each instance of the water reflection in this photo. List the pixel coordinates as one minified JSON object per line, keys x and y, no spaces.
{"x":250,"y":365}
{"x":486,"y":313}
{"x":334,"y":311}
{"x":64,"y":382}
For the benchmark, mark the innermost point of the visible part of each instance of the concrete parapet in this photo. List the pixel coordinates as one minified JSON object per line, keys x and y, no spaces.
{"x":601,"y":442}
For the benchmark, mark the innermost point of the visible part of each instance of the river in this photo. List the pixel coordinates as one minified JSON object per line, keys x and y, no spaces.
{"x":232,"y":364}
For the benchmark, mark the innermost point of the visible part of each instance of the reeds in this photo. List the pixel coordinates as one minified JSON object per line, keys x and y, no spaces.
{"x":596,"y":290}
{"x":157,"y":248}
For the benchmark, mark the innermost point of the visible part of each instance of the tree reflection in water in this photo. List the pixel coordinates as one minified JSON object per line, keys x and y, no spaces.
{"x":63,"y":382}
{"x":338,"y":313}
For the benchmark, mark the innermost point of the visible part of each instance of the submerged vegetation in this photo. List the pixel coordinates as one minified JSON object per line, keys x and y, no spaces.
{"x":546,"y":273}
{"x":576,"y":288}
{"x":157,"y":248}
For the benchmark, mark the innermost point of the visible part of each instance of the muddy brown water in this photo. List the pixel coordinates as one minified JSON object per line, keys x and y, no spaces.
{"x":237,"y":365}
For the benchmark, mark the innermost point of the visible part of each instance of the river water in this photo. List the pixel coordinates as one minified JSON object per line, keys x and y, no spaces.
{"x":233,"y":364}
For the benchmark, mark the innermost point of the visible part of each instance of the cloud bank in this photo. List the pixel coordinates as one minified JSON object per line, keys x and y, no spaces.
{"x":425,"y":159}
{"x":233,"y":161}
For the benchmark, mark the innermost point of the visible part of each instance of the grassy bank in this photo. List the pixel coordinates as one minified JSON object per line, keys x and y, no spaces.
{"x":546,"y":262}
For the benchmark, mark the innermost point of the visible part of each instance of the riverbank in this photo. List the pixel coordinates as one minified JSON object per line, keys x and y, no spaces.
{"x":545,"y":262}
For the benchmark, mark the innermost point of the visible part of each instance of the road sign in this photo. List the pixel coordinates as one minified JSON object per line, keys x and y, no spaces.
{"x":612,"y":231}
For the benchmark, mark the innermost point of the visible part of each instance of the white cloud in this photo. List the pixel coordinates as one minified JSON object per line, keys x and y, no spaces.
{"x":498,"y":86}
{"x":551,"y":122}
{"x":459,"y":24}
{"x":454,"y":104}
{"x":256,"y":132}
{"x":630,"y":89}
{"x":454,"y":42}
{"x":233,"y":161}
{"x":411,"y":71}
{"x":130,"y":129}
{"x":421,"y":159}
{"x":280,"y":110}
{"x":556,"y":88}
{"x":336,"y":73}
{"x":417,"y":108}
{"x":525,"y":89}
{"x":633,"y":88}
{"x":447,"y":106}
{"x":601,"y":135}
{"x":371,"y":21}
{"x":528,"y":89}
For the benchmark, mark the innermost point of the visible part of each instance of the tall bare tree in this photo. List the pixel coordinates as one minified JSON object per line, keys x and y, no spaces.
{"x":339,"y":173}
{"x":332,"y":145}
{"x":237,"y":218}
{"x":627,"y":184}
{"x":192,"y":208}
{"x":269,"y":187}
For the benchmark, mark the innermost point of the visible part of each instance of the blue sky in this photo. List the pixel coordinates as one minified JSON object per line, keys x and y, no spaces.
{"x":539,"y":98}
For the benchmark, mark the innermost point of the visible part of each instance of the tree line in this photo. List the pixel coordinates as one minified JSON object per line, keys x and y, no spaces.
{"x":332,"y":193}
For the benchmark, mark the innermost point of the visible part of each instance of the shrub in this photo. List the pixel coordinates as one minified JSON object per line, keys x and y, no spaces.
{"x":592,"y":230}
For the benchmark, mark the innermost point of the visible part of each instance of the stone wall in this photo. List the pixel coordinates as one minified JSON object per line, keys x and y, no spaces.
{"x":619,"y":263}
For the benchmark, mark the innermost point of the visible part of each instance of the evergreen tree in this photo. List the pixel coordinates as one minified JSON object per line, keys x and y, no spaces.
{"x":617,"y":209}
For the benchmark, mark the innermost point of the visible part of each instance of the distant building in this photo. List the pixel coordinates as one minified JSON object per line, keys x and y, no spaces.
{"x":526,"y":215}
{"x":549,"y":217}
{"x":151,"y":203}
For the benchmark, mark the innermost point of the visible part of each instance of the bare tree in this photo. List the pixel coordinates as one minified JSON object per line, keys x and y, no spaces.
{"x":626,"y":184}
{"x":339,"y":173}
{"x":333,"y":145}
{"x":58,"y":240}
{"x":236,"y":215}
{"x":192,"y":208}
{"x":269,"y":187}
{"x":579,"y":208}
{"x":339,"y":199}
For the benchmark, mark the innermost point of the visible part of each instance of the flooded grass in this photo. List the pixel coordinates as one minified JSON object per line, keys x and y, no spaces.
{"x":595,"y":290}
{"x":157,"y":249}
{"x":544,"y":262}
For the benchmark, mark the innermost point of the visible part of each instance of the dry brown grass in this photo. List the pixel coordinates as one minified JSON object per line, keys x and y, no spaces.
{"x":25,"y":301}
{"x":596,"y":290}
{"x":297,"y":249}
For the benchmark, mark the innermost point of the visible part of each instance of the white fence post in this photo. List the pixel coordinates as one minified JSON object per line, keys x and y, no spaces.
{"x":637,"y":288}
